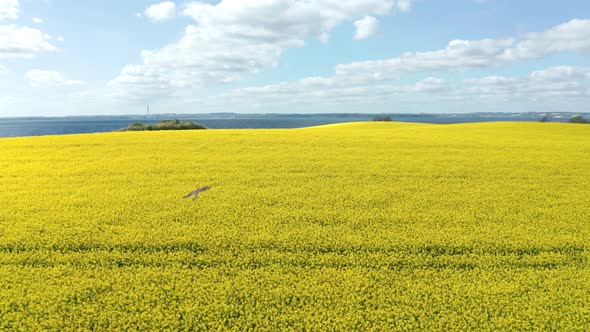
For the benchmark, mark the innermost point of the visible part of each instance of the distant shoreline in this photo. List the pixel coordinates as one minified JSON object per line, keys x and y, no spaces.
{"x":228,"y":115}
{"x":41,"y":126}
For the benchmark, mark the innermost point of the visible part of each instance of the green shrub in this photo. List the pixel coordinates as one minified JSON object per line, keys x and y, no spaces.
{"x":385,"y":118}
{"x":136,"y":126}
{"x":578,"y":119}
{"x":165,"y":125}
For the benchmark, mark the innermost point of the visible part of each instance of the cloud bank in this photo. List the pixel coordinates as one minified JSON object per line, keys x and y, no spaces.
{"x":48,"y":78}
{"x":236,"y":37}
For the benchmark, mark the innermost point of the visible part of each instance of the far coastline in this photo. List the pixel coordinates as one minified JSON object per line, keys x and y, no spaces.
{"x":40,"y":126}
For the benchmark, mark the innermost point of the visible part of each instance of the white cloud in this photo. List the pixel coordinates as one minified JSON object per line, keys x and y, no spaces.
{"x":570,"y":36}
{"x":3,"y":69}
{"x":23,"y":42}
{"x":324,"y":37}
{"x":161,"y":11}
{"x":430,"y":84}
{"x":37,"y":20}
{"x":234,"y":37}
{"x":9,"y":9}
{"x":465,"y":54}
{"x":320,"y":91}
{"x":561,"y":81}
{"x":560,"y":74}
{"x":48,"y":78}
{"x":365,"y":27}
{"x":404,"y":5}
{"x":541,"y":89}
{"x":458,"y":55}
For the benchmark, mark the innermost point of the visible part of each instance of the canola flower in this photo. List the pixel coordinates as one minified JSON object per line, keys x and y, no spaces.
{"x":362,"y":226}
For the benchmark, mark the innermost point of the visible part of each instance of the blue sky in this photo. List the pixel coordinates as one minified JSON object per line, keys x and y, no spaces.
{"x":66,"y":57}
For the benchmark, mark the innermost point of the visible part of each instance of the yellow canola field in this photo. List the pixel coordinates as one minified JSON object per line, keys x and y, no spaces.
{"x":363,"y":226}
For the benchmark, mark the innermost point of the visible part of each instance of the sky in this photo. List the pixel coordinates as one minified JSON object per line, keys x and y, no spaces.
{"x":109,"y":57}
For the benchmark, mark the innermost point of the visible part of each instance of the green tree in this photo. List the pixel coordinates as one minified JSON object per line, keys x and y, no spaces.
{"x":578,"y":119}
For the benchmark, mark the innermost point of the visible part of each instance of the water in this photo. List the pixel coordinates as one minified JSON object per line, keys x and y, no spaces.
{"x":56,"y":126}
{"x":13,"y":127}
